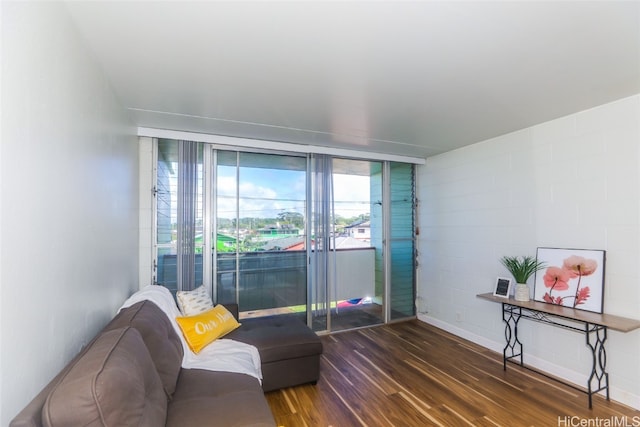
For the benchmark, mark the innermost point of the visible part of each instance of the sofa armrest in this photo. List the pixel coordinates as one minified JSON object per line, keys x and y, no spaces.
{"x":233,"y":308}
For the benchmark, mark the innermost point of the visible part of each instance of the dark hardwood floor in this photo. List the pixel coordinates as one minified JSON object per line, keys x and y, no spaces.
{"x":413,"y":374}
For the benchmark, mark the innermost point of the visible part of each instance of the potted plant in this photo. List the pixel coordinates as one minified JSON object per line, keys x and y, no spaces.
{"x":521,"y":268}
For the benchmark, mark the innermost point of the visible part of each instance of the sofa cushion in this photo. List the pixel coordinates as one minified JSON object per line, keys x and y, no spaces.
{"x":194,"y":302}
{"x":207,"y":398}
{"x":113,"y":384}
{"x":161,"y":339}
{"x":204,"y":328}
{"x":278,"y":337}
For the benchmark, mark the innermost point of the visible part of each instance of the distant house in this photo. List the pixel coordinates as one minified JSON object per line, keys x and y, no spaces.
{"x":359,"y":230}
{"x":277,"y":231}
{"x":290,"y":243}
{"x":224,"y":242}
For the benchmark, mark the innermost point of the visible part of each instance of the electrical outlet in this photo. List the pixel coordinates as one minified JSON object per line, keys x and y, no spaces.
{"x":458,"y":316}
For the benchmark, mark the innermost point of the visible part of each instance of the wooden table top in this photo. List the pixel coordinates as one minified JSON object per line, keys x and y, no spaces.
{"x":616,"y":323}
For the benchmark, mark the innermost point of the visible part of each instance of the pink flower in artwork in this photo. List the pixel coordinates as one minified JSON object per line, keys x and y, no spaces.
{"x":580,"y":266}
{"x":557,"y":278}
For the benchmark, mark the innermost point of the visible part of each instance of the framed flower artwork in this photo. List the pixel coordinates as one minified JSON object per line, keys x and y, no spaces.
{"x":571,"y":277}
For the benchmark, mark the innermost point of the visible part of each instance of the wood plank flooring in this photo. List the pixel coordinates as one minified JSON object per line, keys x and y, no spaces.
{"x":413,"y":374}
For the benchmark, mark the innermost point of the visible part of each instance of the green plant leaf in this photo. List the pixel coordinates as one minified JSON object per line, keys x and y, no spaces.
{"x":521,"y":268}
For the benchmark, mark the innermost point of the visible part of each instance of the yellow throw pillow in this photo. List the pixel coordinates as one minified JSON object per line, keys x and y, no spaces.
{"x":202,"y":329}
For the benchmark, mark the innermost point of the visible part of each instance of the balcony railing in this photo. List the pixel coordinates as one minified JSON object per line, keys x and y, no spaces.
{"x":277,"y":279}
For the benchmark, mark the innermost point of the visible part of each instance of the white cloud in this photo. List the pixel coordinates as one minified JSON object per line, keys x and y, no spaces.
{"x":351,"y":193}
{"x":255,"y":200}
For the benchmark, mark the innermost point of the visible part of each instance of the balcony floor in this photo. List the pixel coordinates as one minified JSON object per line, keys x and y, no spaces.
{"x":342,"y":318}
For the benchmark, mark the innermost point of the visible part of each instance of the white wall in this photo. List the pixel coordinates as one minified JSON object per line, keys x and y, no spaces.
{"x":573,"y":183}
{"x":69,"y":200}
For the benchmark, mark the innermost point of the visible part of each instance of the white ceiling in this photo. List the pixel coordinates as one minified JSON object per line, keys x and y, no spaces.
{"x":408,"y":78}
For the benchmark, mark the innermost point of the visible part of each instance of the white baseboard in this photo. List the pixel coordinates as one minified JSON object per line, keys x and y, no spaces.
{"x":619,"y":395}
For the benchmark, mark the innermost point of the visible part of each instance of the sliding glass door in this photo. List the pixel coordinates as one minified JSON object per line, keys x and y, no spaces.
{"x":328,"y":239}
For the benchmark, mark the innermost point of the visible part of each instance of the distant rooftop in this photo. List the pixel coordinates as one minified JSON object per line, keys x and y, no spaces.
{"x":295,"y":243}
{"x":365,"y":223}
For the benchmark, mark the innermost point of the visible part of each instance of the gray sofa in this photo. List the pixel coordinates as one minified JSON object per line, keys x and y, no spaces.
{"x":131,"y":374}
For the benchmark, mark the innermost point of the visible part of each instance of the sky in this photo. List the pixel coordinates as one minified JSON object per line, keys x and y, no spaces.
{"x":267,"y":192}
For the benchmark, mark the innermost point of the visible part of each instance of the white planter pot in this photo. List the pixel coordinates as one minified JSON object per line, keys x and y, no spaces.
{"x":522,"y":292}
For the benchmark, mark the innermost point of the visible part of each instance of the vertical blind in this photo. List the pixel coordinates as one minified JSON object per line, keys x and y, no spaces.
{"x":321,"y":217}
{"x":179,"y":193}
{"x":187,"y":205}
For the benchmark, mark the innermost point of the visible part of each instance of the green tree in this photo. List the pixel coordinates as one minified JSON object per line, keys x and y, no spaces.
{"x":295,"y":219}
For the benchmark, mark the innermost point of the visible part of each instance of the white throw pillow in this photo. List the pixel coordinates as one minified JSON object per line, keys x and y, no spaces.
{"x":194,"y":302}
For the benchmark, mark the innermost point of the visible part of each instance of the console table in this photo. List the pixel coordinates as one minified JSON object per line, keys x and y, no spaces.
{"x":593,"y":325}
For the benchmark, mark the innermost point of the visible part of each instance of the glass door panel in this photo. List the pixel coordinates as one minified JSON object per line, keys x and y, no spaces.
{"x":226,"y":226}
{"x":356,"y":301}
{"x":260,"y":250}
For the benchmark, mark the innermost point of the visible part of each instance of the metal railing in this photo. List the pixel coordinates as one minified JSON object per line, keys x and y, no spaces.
{"x":276,"y":279}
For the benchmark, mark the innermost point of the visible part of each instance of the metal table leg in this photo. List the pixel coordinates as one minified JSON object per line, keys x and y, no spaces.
{"x":599,"y":378}
{"x":511,"y":317}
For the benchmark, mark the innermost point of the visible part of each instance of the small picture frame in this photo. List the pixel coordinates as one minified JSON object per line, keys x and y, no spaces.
{"x":502,"y":288}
